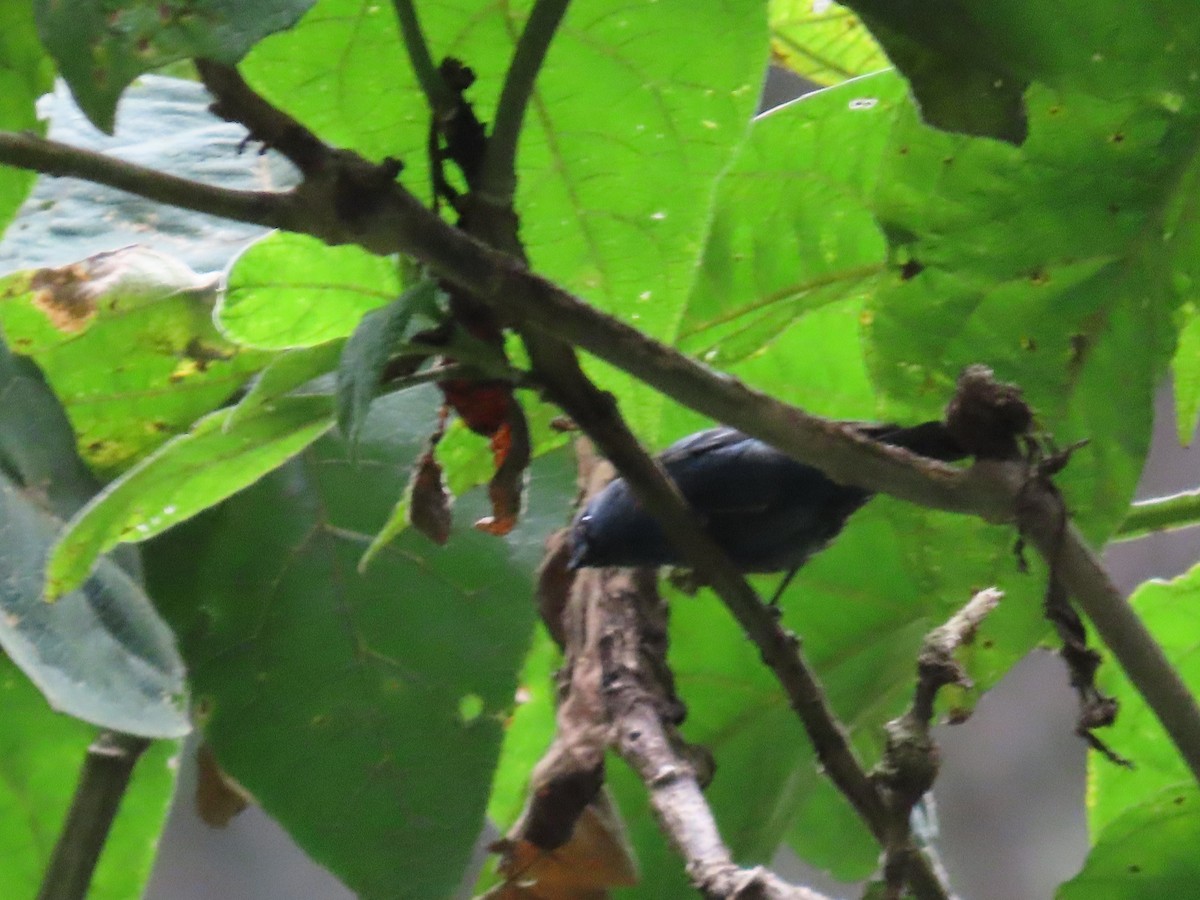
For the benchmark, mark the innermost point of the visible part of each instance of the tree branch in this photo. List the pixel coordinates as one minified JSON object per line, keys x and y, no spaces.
{"x":28,"y":151}
{"x":910,"y":761}
{"x":1160,"y":514}
{"x":498,"y":182}
{"x":105,"y":776}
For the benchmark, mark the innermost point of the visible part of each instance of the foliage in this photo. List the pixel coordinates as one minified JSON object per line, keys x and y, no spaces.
{"x":840,"y":253}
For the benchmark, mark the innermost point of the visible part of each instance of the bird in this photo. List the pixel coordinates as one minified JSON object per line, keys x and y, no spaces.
{"x":766,"y":510}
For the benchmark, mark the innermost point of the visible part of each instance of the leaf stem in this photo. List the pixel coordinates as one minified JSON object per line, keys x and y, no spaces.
{"x":1160,"y":514}
{"x":499,"y":179}
{"x":439,"y":96}
{"x":105,"y":776}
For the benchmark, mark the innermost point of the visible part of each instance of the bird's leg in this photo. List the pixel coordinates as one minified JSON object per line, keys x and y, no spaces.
{"x":787,"y":579}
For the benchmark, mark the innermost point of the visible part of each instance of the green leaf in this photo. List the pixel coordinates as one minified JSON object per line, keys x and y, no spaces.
{"x":1060,"y":274}
{"x":101,"y":48}
{"x":188,"y":474}
{"x":290,"y":290}
{"x":636,"y":112}
{"x":25,"y":74}
{"x":1186,"y":370}
{"x":1168,"y":610}
{"x":360,"y":370}
{"x":40,"y":752}
{"x":1149,"y":851}
{"x":126,"y":341}
{"x":288,"y":371}
{"x":788,"y":238}
{"x":307,"y":668}
{"x":822,"y":42}
{"x":102,"y":654}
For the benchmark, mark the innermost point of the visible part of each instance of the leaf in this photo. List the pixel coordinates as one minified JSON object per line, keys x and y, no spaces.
{"x":101,"y":48}
{"x":307,"y":667}
{"x":788,"y":238}
{"x":25,"y":74}
{"x":165,"y":125}
{"x":288,"y":371}
{"x":822,"y":41}
{"x":957,"y":87}
{"x":429,"y":508}
{"x":1185,"y":367}
{"x":126,"y":341}
{"x":1168,"y":611}
{"x":291,"y":290}
{"x":1059,"y":275}
{"x":39,"y":753}
{"x":1149,"y":851}
{"x":636,"y":112}
{"x":188,"y":474}
{"x":366,"y":353}
{"x":102,"y":654}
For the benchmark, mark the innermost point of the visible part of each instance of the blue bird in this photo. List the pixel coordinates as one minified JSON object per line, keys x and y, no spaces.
{"x":769,"y":512}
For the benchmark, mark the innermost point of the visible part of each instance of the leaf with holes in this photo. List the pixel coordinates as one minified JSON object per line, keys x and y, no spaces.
{"x":126,"y":341}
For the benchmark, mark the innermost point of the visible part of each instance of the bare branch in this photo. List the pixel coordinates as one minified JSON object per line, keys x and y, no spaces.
{"x":107,"y":769}
{"x":910,"y":760}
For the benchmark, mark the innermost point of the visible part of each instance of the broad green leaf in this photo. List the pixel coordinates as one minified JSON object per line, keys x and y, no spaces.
{"x":822,"y":41}
{"x":40,"y":756}
{"x":101,"y":48}
{"x":792,"y":228}
{"x":186,"y":475}
{"x":101,"y":654}
{"x":290,"y":290}
{"x":366,"y":353}
{"x":165,"y":125}
{"x":308,"y":670}
{"x":1148,"y":851}
{"x":25,"y":74}
{"x":1169,"y":611}
{"x":970,"y":61}
{"x":126,"y":341}
{"x":635,"y":113}
{"x":1185,"y":368}
{"x":528,"y":733}
{"x":1054,"y":263}
{"x":288,"y":371}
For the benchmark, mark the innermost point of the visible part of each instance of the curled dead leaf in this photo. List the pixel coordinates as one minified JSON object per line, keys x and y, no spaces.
{"x":218,"y":796}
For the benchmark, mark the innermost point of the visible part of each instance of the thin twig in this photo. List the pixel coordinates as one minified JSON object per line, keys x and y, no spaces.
{"x":1160,"y":514}
{"x":499,"y":177}
{"x":910,"y":760}
{"x":437,"y":94}
{"x":102,"y":782}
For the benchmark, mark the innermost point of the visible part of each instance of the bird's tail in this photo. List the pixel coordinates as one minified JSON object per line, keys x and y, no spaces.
{"x":930,"y":439}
